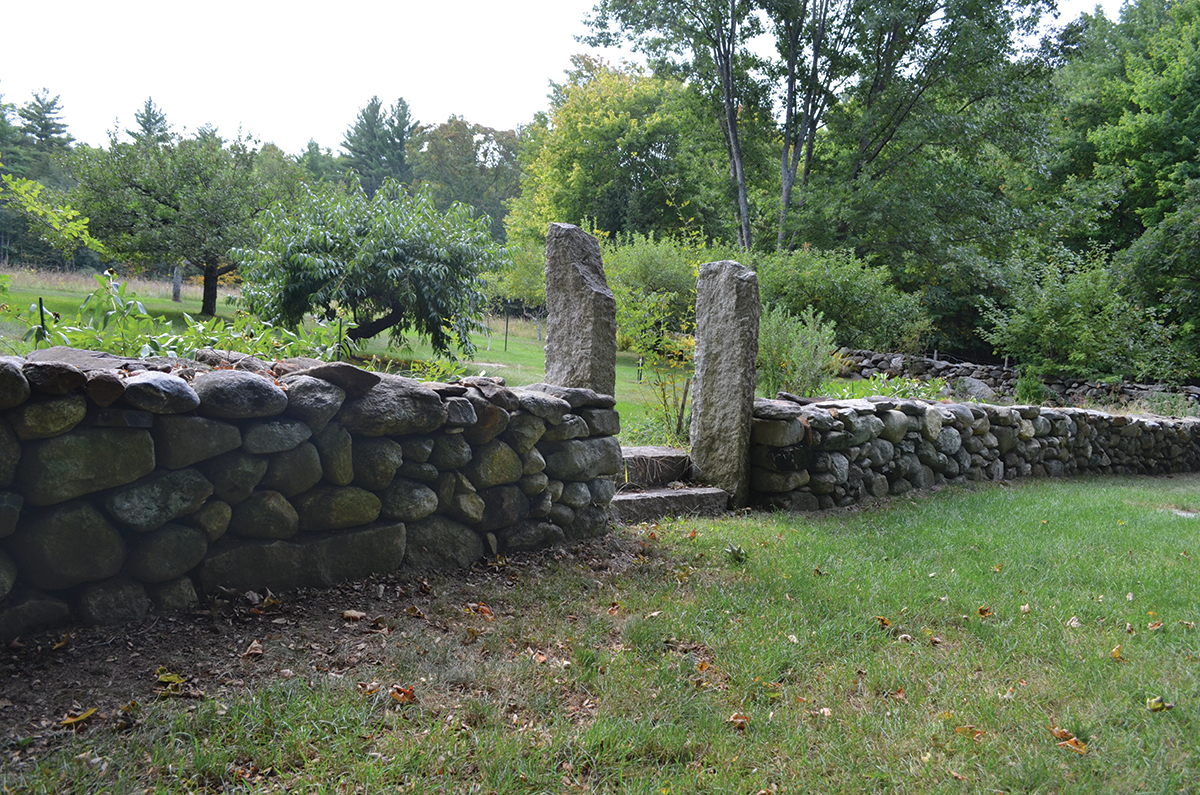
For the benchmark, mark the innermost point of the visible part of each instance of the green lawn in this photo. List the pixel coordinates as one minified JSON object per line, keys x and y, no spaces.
{"x":926,"y":645}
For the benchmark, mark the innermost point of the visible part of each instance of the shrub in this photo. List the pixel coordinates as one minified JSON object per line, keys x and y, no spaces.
{"x":795,"y":354}
{"x":859,"y":300}
{"x":654,"y":284}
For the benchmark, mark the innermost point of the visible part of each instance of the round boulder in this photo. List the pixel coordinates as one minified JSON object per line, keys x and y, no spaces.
{"x":66,"y":545}
{"x":235,"y":394}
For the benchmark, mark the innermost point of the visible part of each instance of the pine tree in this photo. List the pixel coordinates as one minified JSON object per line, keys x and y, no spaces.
{"x":152,"y":125}
{"x":375,"y":144}
{"x":43,"y":122}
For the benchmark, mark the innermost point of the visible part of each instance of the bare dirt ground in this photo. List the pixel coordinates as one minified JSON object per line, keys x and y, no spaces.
{"x":48,"y":679}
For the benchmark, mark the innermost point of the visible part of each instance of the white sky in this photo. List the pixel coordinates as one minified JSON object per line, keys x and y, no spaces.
{"x":289,"y":71}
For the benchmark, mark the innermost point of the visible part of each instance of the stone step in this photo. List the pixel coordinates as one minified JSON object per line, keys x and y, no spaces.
{"x":650,"y":467}
{"x":635,"y":507}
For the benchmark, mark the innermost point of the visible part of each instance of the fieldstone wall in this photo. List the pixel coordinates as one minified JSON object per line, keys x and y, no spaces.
{"x":127,"y":485}
{"x":990,"y":381}
{"x":835,"y":453}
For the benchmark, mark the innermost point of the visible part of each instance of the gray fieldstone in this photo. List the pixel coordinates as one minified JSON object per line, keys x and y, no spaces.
{"x":727,"y":312}
{"x":931,"y":424}
{"x":234,"y":475}
{"x":336,"y":508}
{"x":767,"y":409}
{"x":895,"y":425}
{"x":83,"y":461}
{"x":311,"y":561}
{"x":182,"y":441}
{"x":578,"y":397}
{"x":336,"y":449}
{"x":581,"y":326}
{"x":8,"y":575}
{"x":491,"y":420}
{"x":238,"y":395}
{"x":52,"y":378}
{"x":544,"y":406}
{"x":294,"y":471}
{"x":10,"y":454}
{"x":778,"y":433}
{"x":450,"y":451}
{"x":590,"y":522}
{"x":502,"y":506}
{"x":459,"y":411}
{"x":104,"y":387}
{"x":394,"y":407}
{"x":121,"y":418}
{"x":274,"y":436}
{"x":532,"y":462}
{"x":417,"y":448}
{"x":162,"y":496}
{"x":160,"y":393}
{"x":524,"y":432}
{"x":166,"y":553}
{"x":493,"y":390}
{"x":31,"y":611}
{"x":572,"y":427}
{"x":533,"y":484}
{"x":10,"y":512}
{"x":408,"y":500}
{"x":375,"y":462}
{"x":494,"y":464}
{"x":212,"y":517}
{"x":116,"y":601}
{"x":313,"y":400}
{"x":43,"y":419}
{"x":264,"y":514}
{"x":531,"y":535}
{"x":66,"y":545}
{"x":602,"y":490}
{"x":466,"y":508}
{"x":583,"y":459}
{"x":440,"y":543}
{"x":14,"y":388}
{"x":173,"y":596}
{"x":354,"y":381}
{"x":600,"y":422}
{"x":425,"y":473}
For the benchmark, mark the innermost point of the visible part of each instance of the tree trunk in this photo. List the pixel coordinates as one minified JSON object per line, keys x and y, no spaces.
{"x":372,"y":327}
{"x":177,"y":284}
{"x":208,"y":306}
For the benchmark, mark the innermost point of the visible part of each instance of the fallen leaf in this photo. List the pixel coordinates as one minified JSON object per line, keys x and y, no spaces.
{"x":1129,"y":596}
{"x":255,"y":649}
{"x":486,"y":611}
{"x":1130,"y":630}
{"x":414,"y":611}
{"x":655,"y":614}
{"x":75,"y":720}
{"x":66,"y":641}
{"x":793,"y":639}
{"x":1009,"y":695}
{"x":824,"y":712}
{"x":904,"y":638}
{"x":1059,"y":734}
{"x":817,"y":572}
{"x":1154,"y":626}
{"x":935,"y":641}
{"x":1074,"y":623}
{"x":368,"y":688}
{"x":739,"y":721}
{"x":984,"y":612}
{"x":353,"y":615}
{"x":539,"y":657}
{"x":614,"y":608}
{"x":702,"y":666}
{"x":1116,"y":654}
{"x":1074,"y":745}
{"x":1158,"y":704}
{"x":970,"y":730}
{"x":167,"y":677}
{"x":884,"y":623}
{"x":403,"y":695}
{"x":958,"y":776}
{"x":271,"y":601}
{"x":898,"y":694}
{"x":1188,"y":624}
{"x":469,"y":636}
{"x":1025,"y":608}
{"x":286,"y":673}
{"x":998,"y":567}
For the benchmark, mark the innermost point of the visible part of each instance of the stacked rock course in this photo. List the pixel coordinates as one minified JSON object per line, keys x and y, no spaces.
{"x":126,"y":484}
{"x":836,"y":453}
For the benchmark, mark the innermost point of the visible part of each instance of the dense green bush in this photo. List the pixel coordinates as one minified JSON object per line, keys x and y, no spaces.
{"x":795,"y":354}
{"x":654,"y":283}
{"x":860,"y":300}
{"x":1067,"y":317}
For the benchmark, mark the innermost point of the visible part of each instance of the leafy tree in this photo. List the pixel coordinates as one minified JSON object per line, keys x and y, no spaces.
{"x":188,"y":199}
{"x":152,"y":127}
{"x":619,"y":152}
{"x":58,"y":224}
{"x":457,"y":161}
{"x":709,"y":38}
{"x":320,"y":164}
{"x":375,"y":145}
{"x":12,"y":140}
{"x":391,"y":261}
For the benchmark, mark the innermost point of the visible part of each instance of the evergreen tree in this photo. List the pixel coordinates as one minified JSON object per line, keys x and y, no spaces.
{"x":43,"y":122}
{"x":152,"y":127}
{"x":376,"y":142}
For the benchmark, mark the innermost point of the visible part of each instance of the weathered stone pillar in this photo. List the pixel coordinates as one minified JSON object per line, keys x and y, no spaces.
{"x":581,"y":330}
{"x":727,"y":312}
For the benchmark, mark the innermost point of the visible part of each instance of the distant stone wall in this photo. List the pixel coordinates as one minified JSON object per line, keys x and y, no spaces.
{"x":837,"y":453}
{"x":127,"y":484}
{"x":1001,"y":380}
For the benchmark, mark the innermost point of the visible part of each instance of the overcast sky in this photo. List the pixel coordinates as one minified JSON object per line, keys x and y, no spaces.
{"x":290,"y":71}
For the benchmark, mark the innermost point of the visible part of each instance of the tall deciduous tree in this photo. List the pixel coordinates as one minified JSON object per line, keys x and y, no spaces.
{"x":710,"y":39}
{"x":376,"y":144}
{"x":391,"y":260}
{"x":457,"y":161}
{"x":188,"y":199}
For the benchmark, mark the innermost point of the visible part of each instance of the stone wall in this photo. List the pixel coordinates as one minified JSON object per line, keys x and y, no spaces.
{"x":1000,"y":380}
{"x":836,"y":453}
{"x":127,"y":484}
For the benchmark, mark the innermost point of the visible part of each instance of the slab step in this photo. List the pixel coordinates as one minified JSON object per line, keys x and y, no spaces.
{"x":648,"y":467}
{"x":647,"y":506}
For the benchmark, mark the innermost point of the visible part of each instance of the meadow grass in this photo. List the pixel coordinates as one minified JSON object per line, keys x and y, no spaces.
{"x":670,"y":665}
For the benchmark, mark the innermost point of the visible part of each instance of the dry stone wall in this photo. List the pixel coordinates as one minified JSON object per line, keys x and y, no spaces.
{"x":127,"y":485}
{"x":836,"y":453}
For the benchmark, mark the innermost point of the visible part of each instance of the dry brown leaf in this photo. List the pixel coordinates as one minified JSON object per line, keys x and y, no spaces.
{"x":898,"y":694}
{"x":970,"y":730}
{"x":935,"y":641}
{"x":66,"y":641}
{"x":403,"y":695}
{"x":884,"y":623}
{"x":486,"y":611}
{"x":998,"y":567}
{"x":984,"y":612}
{"x":75,"y":720}
{"x":1059,"y":734}
{"x":1074,"y":745}
{"x":1116,"y":654}
{"x":614,"y":608}
{"x":414,"y":611}
{"x":255,"y":649}
{"x":739,"y":721}
{"x":1154,"y":626}
{"x":368,"y":688}
{"x":1130,"y":630}
{"x":1074,"y":623}
{"x":353,"y":615}
{"x":539,"y":657}
{"x":958,"y":776}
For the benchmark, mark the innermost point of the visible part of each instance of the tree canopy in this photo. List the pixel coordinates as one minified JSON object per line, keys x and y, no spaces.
{"x":376,"y":144}
{"x":391,"y":261}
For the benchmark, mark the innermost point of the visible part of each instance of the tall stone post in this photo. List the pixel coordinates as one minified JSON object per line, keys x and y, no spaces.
{"x":581,"y":330}
{"x":727,"y":311}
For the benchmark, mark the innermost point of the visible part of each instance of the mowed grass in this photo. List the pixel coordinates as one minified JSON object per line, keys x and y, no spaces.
{"x":620,"y":672}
